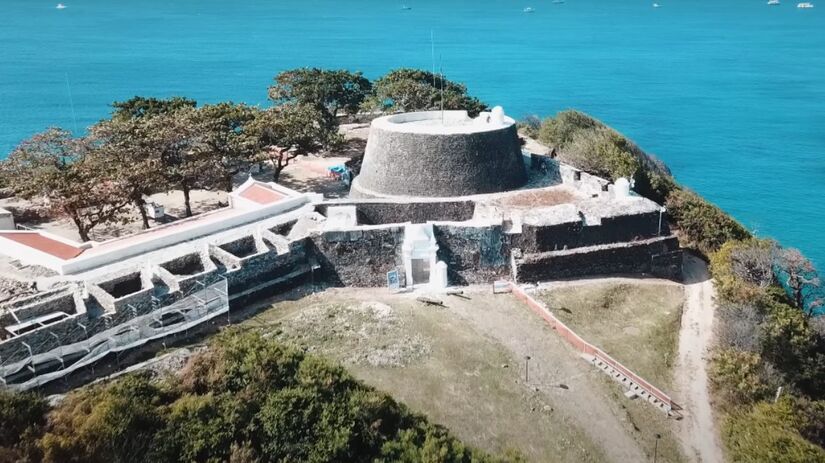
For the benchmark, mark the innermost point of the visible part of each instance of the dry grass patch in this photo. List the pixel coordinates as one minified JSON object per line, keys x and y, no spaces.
{"x":638,"y":324}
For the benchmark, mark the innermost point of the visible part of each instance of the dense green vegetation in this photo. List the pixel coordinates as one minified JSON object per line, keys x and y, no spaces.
{"x":770,"y":331}
{"x":246,"y":399}
{"x":150,"y":145}
{"x":767,"y":338}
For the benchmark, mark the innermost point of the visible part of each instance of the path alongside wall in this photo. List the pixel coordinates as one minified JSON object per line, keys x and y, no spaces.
{"x":700,"y":435}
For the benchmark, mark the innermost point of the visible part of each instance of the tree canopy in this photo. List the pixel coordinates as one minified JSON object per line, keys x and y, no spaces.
{"x":139,"y":106}
{"x":404,"y":90}
{"x":333,"y":90}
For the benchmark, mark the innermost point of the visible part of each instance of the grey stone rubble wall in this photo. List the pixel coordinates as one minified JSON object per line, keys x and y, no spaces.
{"x":60,"y":301}
{"x":380,"y":213}
{"x":441,"y":165}
{"x":473,"y":254}
{"x":618,"y":229}
{"x":266,"y":266}
{"x":358,"y":258}
{"x":646,"y":256}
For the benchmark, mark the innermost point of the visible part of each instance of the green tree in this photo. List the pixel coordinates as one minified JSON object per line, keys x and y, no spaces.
{"x":800,"y":278}
{"x":138,"y":106}
{"x":224,"y":137}
{"x":333,"y":90}
{"x":405,"y":90}
{"x":285,"y":132}
{"x":174,"y":139}
{"x":125,"y":147}
{"x":60,"y":171}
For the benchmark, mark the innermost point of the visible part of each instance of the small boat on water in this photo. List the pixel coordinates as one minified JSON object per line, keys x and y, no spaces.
{"x":805,"y":5}
{"x":405,"y":7}
{"x":656,"y":5}
{"x":528,"y":10}
{"x":557,"y":2}
{"x":61,"y":6}
{"x":773,"y":2}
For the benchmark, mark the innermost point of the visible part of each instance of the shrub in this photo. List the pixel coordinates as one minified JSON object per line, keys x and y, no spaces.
{"x":742,"y":270}
{"x":771,"y":432}
{"x":739,"y":327}
{"x":590,"y":145}
{"x":22,"y":418}
{"x":703,"y":226}
{"x":737,"y":376}
{"x":246,"y":399}
{"x":530,"y":125}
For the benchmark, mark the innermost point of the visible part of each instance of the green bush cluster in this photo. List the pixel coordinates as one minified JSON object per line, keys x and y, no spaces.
{"x":246,"y":399}
{"x":774,"y":432}
{"x":702,"y":225}
{"x":765,"y":341}
{"x":590,"y":145}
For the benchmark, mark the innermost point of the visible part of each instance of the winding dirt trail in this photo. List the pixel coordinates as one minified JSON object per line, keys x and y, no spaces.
{"x":699,"y":436}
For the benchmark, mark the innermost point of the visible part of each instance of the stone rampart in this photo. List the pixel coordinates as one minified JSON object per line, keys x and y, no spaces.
{"x":359,"y":258}
{"x":473,"y":254}
{"x":638,"y":257}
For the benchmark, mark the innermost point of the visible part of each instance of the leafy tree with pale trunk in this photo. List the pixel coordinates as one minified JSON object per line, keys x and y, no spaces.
{"x":61,"y":172}
{"x":285,"y":132}
{"x":133,"y":163}
{"x":800,"y":279}
{"x":184,"y":165}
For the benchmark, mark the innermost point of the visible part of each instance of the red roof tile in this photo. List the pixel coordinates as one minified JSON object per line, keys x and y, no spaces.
{"x":42,"y":243}
{"x":261,"y":194}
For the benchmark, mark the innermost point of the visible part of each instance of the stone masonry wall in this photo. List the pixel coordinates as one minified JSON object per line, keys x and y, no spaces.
{"x":478,"y":254}
{"x":358,"y":258}
{"x":576,"y":234}
{"x":647,"y":256}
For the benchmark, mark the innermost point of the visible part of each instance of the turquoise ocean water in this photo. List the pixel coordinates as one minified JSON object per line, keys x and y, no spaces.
{"x":729,"y":93}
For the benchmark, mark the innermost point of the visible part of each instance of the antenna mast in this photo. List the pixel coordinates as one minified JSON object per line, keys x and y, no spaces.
{"x":71,"y":103}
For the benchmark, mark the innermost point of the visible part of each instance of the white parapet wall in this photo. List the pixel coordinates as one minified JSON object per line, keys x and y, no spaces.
{"x":6,"y":220}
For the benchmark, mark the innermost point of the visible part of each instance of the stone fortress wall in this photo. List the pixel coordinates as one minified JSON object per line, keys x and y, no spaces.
{"x":414,"y":154}
{"x":352,"y":242}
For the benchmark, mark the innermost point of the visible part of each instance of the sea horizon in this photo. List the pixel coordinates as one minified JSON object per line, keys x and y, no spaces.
{"x":729,"y":95}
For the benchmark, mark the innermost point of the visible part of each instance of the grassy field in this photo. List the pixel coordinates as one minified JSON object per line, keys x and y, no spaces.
{"x":637,"y":324}
{"x":463,"y":365}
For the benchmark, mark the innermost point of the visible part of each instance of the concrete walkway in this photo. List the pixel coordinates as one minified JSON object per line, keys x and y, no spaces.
{"x":698,"y":431}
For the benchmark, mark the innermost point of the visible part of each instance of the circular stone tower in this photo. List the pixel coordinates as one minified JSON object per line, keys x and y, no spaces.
{"x":439,"y":154}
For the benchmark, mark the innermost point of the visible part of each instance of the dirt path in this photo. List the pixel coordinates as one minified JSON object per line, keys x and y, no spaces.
{"x":699,"y":435}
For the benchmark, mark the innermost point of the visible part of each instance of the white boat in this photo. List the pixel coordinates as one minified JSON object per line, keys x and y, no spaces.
{"x":528,"y":10}
{"x":773,"y":2}
{"x":656,"y":5}
{"x":558,"y":1}
{"x":805,"y":5}
{"x":405,"y":7}
{"x":61,"y":6}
